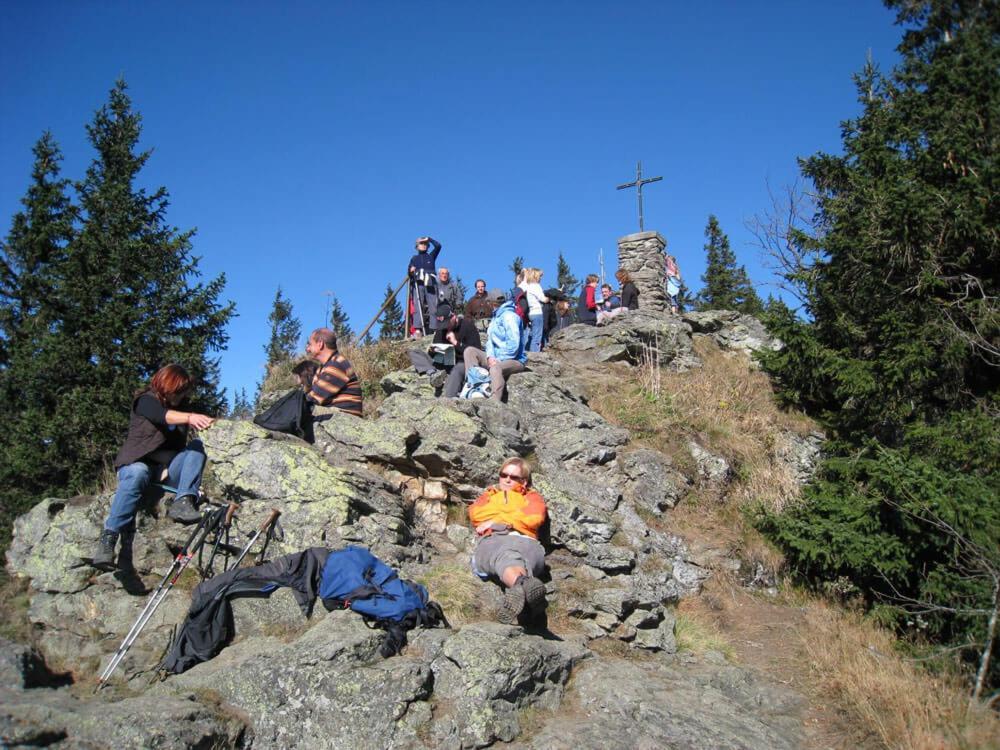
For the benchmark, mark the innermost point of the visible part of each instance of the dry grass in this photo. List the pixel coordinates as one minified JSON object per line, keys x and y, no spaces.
{"x":14,"y":623}
{"x":371,"y":362}
{"x":727,"y":406}
{"x":457,"y":590}
{"x":904,"y":706}
{"x":697,"y":633}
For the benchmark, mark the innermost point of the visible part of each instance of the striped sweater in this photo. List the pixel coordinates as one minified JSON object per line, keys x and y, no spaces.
{"x":336,"y":384}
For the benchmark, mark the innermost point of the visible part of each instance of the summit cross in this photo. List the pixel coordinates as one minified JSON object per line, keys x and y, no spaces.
{"x":639,"y":182}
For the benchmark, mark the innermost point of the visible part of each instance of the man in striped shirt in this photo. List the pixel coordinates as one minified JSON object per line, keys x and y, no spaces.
{"x":335,"y":384}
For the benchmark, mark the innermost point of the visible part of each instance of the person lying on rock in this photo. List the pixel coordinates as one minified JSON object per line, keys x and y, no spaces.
{"x":459,"y":332}
{"x":335,"y":382}
{"x":504,"y":353}
{"x":157,"y":439}
{"x":507,"y":517}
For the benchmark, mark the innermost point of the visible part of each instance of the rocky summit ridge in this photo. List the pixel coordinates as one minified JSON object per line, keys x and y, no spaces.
{"x":607,"y":675}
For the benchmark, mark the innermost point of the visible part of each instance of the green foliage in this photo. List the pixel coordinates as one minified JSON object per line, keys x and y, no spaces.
{"x":517,"y":265}
{"x":286,"y":330}
{"x":243,"y":407}
{"x":463,"y":294}
{"x":727,"y":286}
{"x":565,"y":279}
{"x":899,"y":355}
{"x":392,"y":326}
{"x":120,"y":300}
{"x":340,"y":324}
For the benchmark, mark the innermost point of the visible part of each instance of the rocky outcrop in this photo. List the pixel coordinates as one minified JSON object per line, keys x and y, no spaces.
{"x":732,"y":330}
{"x":399,"y":484}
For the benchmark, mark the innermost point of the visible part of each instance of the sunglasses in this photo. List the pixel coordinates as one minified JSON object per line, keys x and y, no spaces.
{"x":513,"y":477}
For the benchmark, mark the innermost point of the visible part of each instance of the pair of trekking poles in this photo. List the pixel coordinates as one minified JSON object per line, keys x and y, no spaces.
{"x":217,"y":522}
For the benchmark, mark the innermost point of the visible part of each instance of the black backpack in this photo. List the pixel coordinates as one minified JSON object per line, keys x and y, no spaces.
{"x":291,"y":414}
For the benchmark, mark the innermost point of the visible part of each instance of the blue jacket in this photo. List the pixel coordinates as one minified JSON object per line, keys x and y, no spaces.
{"x":503,"y":337}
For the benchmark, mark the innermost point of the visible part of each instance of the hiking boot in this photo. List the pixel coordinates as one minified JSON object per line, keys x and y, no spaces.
{"x":512,"y":605}
{"x":183,"y":510}
{"x":104,"y":557}
{"x":125,"y":550}
{"x":534,"y":594}
{"x":438,"y":378}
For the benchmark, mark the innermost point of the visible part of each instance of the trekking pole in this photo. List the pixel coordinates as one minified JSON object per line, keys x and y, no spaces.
{"x":388,"y":301}
{"x":272,"y":518}
{"x":418,"y":309}
{"x":208,"y":570}
{"x":209,"y":521}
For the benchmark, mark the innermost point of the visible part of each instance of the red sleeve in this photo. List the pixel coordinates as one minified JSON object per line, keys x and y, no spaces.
{"x":591,"y":304}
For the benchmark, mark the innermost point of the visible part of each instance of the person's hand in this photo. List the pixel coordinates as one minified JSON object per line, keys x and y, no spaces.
{"x":200,"y":421}
{"x":451,"y":338}
{"x":413,"y":269}
{"x":491,"y":361}
{"x":423,"y":239}
{"x":484,"y":527}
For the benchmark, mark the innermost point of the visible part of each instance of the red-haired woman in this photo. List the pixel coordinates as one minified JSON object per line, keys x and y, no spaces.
{"x":157,"y":438}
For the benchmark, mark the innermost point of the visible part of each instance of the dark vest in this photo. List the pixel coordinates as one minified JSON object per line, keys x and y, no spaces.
{"x":143,"y":438}
{"x":583,"y":315}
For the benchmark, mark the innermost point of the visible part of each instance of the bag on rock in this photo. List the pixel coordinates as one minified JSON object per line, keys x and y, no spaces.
{"x":290,"y":414}
{"x":477,"y":384}
{"x":354,"y":578}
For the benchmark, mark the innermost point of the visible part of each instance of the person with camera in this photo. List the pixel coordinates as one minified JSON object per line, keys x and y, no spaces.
{"x":458,"y":332}
{"x":423,"y":284}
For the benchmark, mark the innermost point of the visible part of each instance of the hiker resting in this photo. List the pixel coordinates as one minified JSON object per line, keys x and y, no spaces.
{"x":507,"y":517}
{"x":335,"y":382}
{"x":460,"y":333}
{"x":157,"y":439}
{"x":504,"y":353}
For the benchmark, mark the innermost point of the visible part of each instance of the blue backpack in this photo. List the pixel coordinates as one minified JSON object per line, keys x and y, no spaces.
{"x":354,"y":578}
{"x":477,"y":384}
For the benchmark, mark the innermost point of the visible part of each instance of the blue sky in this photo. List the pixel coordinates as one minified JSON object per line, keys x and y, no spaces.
{"x":310,"y":143}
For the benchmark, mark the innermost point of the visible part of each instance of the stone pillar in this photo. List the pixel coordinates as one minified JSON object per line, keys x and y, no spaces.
{"x":641,"y":254}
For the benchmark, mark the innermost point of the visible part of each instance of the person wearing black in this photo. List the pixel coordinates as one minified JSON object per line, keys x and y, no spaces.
{"x":422,"y":270}
{"x":630,"y":294}
{"x":461,"y":333}
{"x":157,"y":439}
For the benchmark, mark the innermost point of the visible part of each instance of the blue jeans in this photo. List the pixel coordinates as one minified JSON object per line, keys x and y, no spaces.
{"x":537,"y":324}
{"x":184,"y":473}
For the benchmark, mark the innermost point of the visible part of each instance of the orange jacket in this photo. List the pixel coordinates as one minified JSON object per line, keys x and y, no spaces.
{"x":520,"y":508}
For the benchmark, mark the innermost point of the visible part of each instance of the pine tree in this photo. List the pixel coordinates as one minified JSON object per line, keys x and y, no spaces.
{"x":242,"y":407}
{"x":899,"y":354}
{"x":565,"y":278}
{"x":727,"y":286}
{"x":32,"y":261}
{"x":392,"y":319}
{"x":463,"y":294}
{"x":517,"y":265}
{"x":127,"y":304}
{"x":339,"y":323}
{"x":286,"y":330}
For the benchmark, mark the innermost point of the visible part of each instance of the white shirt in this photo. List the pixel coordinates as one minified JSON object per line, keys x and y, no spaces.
{"x":533,"y":290}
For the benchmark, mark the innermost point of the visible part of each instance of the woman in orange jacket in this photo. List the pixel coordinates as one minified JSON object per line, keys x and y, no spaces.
{"x":507,"y":517}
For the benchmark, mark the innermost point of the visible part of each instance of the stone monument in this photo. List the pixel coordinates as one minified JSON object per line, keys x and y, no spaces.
{"x":641,"y":254}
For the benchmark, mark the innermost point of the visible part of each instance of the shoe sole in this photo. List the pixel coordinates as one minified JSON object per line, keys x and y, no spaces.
{"x":534,"y":594}
{"x":512,"y":605}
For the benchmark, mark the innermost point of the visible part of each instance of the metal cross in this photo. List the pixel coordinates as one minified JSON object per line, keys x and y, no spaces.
{"x":639,"y":182}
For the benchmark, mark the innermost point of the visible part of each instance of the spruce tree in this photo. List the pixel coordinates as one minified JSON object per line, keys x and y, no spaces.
{"x":463,"y":294}
{"x":565,"y":279}
{"x":32,"y":269}
{"x":339,"y":323}
{"x":727,"y":286}
{"x":517,"y":265}
{"x":242,"y":407}
{"x":899,"y":356}
{"x":392,"y":319}
{"x":286,"y":330}
{"x":129,"y":303}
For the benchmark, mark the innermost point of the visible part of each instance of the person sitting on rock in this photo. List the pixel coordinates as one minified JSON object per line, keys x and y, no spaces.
{"x":630,"y":292}
{"x":461,"y":333}
{"x":611,"y":304}
{"x":335,"y":383}
{"x":507,"y":518}
{"x":586,"y":310}
{"x":157,"y":439}
{"x":504,"y":353}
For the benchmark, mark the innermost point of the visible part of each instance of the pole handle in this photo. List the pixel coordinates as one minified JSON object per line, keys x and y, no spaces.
{"x":271,"y":518}
{"x":230,"y":512}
